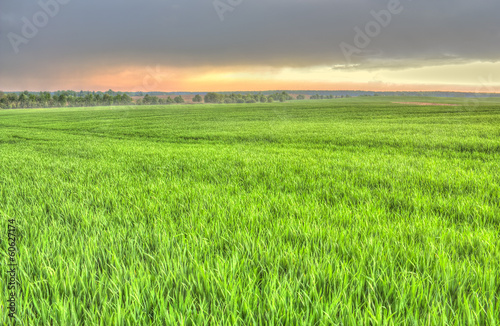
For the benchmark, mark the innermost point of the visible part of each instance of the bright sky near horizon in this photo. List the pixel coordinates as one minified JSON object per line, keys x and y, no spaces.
{"x":250,"y":45}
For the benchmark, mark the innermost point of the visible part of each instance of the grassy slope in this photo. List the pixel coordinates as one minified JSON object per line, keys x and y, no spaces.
{"x":352,"y":211}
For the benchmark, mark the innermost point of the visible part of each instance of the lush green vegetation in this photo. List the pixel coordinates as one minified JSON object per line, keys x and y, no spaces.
{"x":352,"y":211}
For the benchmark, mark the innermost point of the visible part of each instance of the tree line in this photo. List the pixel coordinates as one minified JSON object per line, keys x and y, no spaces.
{"x":61,"y":99}
{"x":75,"y":99}
{"x":85,"y":99}
{"x":327,"y":97}
{"x":152,"y":100}
{"x":249,"y":98}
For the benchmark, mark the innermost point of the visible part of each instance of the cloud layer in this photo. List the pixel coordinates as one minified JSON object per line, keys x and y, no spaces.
{"x":86,"y":36}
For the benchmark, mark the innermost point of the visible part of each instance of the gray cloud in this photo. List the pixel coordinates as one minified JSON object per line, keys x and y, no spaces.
{"x":90,"y":34}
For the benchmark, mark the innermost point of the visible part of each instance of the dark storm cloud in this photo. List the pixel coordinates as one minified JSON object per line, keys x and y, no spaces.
{"x":83,"y":35}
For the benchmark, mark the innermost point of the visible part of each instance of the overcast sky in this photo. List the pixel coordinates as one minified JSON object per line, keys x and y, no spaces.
{"x":194,"y":45}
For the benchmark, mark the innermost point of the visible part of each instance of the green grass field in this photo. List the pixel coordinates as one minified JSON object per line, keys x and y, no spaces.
{"x":344,"y":212}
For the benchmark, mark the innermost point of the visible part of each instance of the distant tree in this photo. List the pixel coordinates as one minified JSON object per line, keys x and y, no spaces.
{"x":12,"y":97}
{"x":44,"y":99}
{"x":148,"y":99}
{"x":197,"y":98}
{"x":179,"y":99}
{"x":240,"y":100}
{"x":301,"y":97}
{"x":62,"y":100}
{"x":213,"y":98}
{"x":89,"y":99}
{"x":32,"y":100}
{"x":3,"y":101}
{"x":169,"y":100}
{"x":23,"y":100}
{"x":107,"y":99}
{"x":228,"y":100}
{"x":11,"y":100}
{"x":126,"y":99}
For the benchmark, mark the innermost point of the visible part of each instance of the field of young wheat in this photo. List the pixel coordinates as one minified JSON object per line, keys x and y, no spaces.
{"x":354,"y":211}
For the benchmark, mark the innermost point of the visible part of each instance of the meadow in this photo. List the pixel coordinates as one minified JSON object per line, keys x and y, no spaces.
{"x":355,"y":211}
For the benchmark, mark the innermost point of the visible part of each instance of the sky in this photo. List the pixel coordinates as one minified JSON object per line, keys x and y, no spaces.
{"x":250,"y":45}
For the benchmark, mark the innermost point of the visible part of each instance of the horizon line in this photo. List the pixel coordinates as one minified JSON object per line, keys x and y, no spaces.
{"x":270,"y":90}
